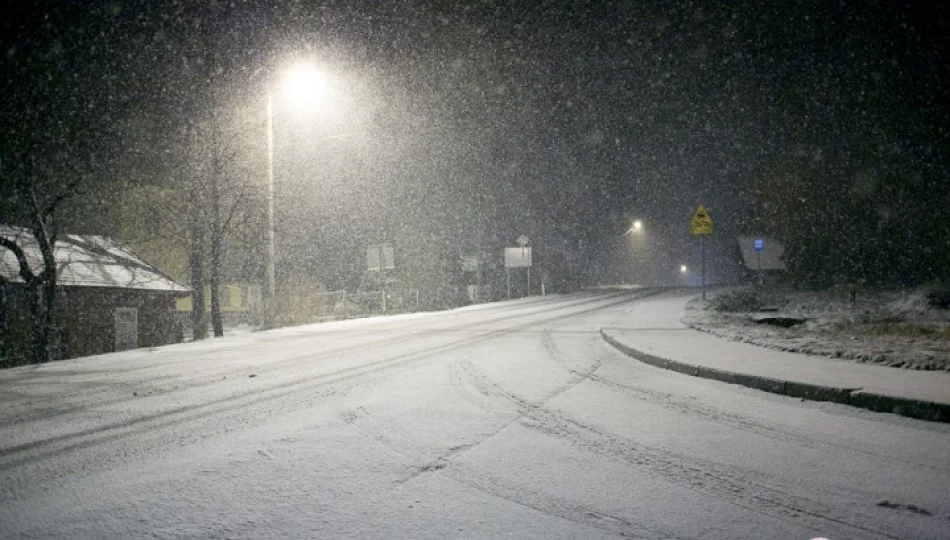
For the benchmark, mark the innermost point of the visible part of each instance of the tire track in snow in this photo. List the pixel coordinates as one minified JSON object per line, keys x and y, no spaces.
{"x":424,"y":461}
{"x":215,"y":374}
{"x":739,"y":422}
{"x":693,"y":408}
{"x":17,"y":455}
{"x":743,"y":488}
{"x":212,"y":374}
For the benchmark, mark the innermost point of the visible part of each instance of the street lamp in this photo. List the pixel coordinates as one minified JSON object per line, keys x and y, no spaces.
{"x":683,"y":269}
{"x":637,"y":245}
{"x":304,"y":84}
{"x":308,"y":85}
{"x":635,"y":228}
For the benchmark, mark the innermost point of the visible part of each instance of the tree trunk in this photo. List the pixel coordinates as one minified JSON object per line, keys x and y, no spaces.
{"x":48,"y":299}
{"x":42,"y":298}
{"x":39,"y":331}
{"x":217,"y":231}
{"x":199,"y":327}
{"x":216,"y":321}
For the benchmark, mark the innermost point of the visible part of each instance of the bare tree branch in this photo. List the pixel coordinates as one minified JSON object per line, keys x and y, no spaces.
{"x":18,"y":252}
{"x":233,"y":209}
{"x":66,"y":193}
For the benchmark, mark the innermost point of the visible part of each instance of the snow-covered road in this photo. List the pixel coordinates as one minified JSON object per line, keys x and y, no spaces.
{"x":509,"y":420}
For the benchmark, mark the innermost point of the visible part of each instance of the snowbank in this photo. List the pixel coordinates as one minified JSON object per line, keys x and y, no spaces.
{"x":897,"y":328}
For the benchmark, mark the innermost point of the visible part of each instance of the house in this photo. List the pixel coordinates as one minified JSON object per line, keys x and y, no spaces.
{"x":239,"y":302}
{"x":108,"y":299}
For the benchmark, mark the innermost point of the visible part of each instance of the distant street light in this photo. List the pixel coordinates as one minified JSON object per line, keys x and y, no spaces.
{"x":635,"y":228}
{"x":683,"y":269}
{"x":638,"y":247}
{"x":304,"y":85}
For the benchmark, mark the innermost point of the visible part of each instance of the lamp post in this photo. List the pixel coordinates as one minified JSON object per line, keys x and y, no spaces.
{"x":271,"y":248}
{"x":304,"y":82}
{"x":636,"y":246}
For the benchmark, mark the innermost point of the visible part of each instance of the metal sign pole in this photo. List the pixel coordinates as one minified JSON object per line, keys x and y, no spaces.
{"x":521,"y":241}
{"x":702,"y":246}
{"x":761,"y":279}
{"x":508,"y":280}
{"x":382,"y":282}
{"x":701,"y":225}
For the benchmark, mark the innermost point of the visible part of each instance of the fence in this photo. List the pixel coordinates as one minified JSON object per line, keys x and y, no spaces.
{"x":364,"y":303}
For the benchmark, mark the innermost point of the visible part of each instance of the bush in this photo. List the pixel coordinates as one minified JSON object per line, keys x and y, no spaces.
{"x":737,"y":301}
{"x":939,"y":297}
{"x":748,"y":299}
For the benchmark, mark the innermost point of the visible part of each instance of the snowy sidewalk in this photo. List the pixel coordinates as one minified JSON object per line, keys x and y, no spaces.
{"x":652,"y":332}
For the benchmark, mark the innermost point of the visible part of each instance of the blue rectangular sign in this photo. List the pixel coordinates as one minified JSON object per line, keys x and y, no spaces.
{"x":758,"y":244}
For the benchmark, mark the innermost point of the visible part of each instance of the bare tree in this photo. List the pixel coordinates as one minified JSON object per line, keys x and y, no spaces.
{"x":223,"y":197}
{"x":38,"y":208}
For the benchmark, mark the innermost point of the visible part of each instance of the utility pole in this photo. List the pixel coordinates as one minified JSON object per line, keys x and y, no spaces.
{"x":382,"y":281}
{"x":271,"y":249}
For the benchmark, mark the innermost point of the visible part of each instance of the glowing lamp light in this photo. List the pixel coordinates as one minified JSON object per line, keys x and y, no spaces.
{"x":307,"y":84}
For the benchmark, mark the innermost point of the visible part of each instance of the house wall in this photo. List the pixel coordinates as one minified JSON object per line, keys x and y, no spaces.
{"x":86,"y":317}
{"x":234,"y":298}
{"x":14,"y":332}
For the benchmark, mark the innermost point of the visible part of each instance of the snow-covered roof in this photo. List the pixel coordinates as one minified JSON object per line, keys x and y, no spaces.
{"x":86,"y":261}
{"x":769,"y":256}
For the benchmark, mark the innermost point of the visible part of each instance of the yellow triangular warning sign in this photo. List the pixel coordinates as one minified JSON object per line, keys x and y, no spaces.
{"x":700,"y":223}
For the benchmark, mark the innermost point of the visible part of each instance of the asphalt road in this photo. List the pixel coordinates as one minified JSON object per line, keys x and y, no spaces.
{"x":509,"y":420}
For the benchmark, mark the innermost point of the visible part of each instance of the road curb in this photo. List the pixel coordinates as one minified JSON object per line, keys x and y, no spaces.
{"x":923,"y":410}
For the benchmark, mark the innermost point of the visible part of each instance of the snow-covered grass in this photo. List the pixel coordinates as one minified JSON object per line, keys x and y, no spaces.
{"x":892,"y":328}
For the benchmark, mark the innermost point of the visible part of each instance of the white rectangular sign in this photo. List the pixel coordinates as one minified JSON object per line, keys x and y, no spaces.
{"x":372,"y":257}
{"x":770,"y":257}
{"x":469,"y":263}
{"x":517,"y":257}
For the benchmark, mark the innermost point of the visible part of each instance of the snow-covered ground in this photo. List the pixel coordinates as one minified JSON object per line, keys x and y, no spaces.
{"x":512,"y":420}
{"x":897,"y":328}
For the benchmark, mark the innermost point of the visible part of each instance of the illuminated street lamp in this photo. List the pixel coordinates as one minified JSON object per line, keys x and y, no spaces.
{"x":635,"y":228}
{"x":683,"y":269}
{"x":304,"y":85}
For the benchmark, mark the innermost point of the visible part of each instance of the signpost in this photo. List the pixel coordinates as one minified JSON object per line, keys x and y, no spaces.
{"x":701,"y":225}
{"x":758,"y":245}
{"x":518,"y":258}
{"x":523,"y":241}
{"x":379,"y":257}
{"x":470,"y":266}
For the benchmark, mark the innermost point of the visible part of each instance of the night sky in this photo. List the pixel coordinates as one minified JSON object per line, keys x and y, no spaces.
{"x":559,"y":120}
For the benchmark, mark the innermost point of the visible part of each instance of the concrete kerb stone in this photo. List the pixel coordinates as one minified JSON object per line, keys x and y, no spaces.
{"x":924,"y":410}
{"x":814,"y":392}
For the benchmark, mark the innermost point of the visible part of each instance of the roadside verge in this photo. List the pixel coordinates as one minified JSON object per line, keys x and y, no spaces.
{"x":857,"y":397}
